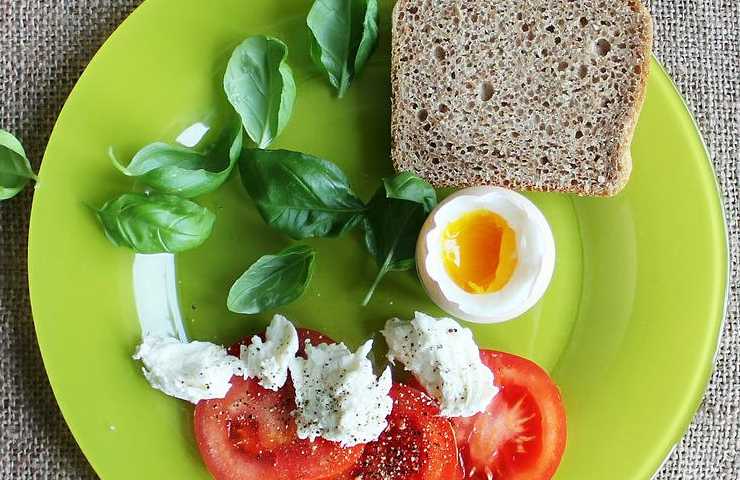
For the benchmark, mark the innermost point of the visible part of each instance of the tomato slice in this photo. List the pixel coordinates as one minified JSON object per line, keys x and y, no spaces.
{"x":522,"y":433}
{"x":251,"y":434}
{"x":418,"y":444}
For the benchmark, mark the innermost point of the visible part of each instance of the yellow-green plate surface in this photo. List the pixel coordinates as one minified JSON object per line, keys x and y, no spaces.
{"x":628,"y":327}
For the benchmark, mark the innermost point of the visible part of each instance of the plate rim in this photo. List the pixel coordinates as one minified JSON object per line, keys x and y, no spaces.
{"x":698,"y":395}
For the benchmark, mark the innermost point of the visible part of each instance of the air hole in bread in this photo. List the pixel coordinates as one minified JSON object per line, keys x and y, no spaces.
{"x":413,"y":10}
{"x":638,"y":69}
{"x":422,"y":115}
{"x":443,"y":108}
{"x":486,"y":91}
{"x":550,"y":28}
{"x":579,"y":134}
{"x":582,"y":71}
{"x":603,"y":46}
{"x":439,"y":53}
{"x":583,"y":21}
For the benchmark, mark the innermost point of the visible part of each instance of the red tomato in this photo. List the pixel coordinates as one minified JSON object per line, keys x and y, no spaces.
{"x":251,"y":434}
{"x":418,"y":444}
{"x":522,"y":433}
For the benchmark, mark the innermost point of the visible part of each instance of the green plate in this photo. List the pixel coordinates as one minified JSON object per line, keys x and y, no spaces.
{"x":628,"y":327}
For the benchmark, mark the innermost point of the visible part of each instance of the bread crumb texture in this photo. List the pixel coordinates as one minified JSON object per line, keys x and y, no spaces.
{"x":533,"y":95}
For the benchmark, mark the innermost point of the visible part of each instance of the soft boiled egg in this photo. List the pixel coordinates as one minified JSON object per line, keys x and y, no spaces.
{"x":486,"y":254}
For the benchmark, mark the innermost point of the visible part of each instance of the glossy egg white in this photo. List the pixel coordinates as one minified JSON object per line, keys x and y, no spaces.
{"x":535,"y":252}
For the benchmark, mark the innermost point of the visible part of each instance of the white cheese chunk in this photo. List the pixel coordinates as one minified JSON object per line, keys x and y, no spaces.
{"x":445,"y":359}
{"x":269,"y":360}
{"x":338,"y":397}
{"x":192,"y":371}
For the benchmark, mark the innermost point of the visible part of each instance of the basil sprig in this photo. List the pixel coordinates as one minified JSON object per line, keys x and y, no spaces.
{"x":394,"y":218}
{"x":260,"y":86}
{"x":300,"y":195}
{"x":156,"y":223}
{"x":272,"y":281}
{"x":15,"y":170}
{"x":185,"y":171}
{"x":344,"y":33}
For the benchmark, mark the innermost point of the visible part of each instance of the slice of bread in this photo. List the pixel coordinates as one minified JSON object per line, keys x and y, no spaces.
{"x":525,"y":94}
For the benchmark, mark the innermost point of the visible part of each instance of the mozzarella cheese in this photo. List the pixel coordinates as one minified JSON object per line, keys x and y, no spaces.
{"x":192,"y":371}
{"x":269,"y":360}
{"x":445,"y":359}
{"x":337,"y":395}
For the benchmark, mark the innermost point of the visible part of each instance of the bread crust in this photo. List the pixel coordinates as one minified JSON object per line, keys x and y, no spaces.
{"x":616,"y":169}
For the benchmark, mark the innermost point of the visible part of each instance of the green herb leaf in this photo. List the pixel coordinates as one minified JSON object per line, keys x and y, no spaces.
{"x":183,"y":171}
{"x":272,"y":281}
{"x":395,"y":216}
{"x":342,"y":41}
{"x":300,"y":195}
{"x":156,"y":223}
{"x":15,"y":170}
{"x":259,"y":84}
{"x":369,"y":39}
{"x":407,"y":186}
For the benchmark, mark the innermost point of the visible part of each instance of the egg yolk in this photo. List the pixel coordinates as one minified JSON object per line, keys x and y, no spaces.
{"x":479,"y":251}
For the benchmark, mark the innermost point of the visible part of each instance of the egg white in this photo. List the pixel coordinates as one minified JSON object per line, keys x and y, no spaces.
{"x":535,"y":256}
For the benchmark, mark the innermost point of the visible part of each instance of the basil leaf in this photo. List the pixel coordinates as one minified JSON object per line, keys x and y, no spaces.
{"x":301,"y":195}
{"x":369,"y":39}
{"x":155,"y":223}
{"x":407,"y":186}
{"x":183,"y":171}
{"x":342,"y":41}
{"x":15,"y":170}
{"x":394,"y":218}
{"x":272,"y":281}
{"x":260,"y":86}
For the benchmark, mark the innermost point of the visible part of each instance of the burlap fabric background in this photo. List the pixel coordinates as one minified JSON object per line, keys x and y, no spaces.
{"x":44,"y":47}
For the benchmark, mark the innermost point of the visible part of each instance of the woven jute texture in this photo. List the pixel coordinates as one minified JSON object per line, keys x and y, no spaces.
{"x":44,"y":47}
